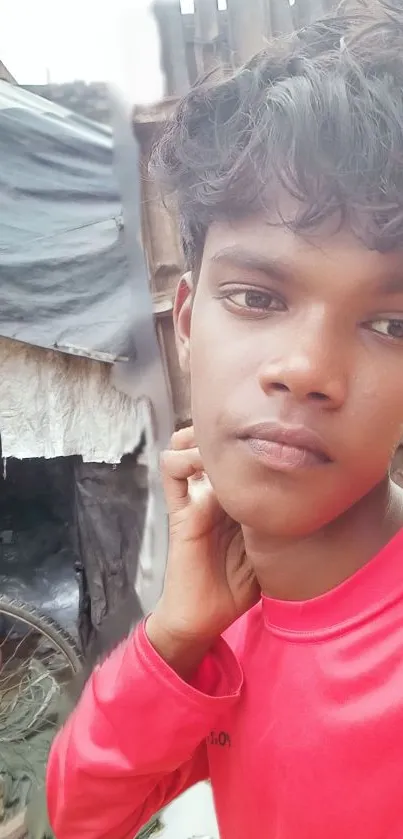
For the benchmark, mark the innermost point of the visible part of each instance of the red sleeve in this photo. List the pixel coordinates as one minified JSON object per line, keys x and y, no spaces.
{"x":136,"y":740}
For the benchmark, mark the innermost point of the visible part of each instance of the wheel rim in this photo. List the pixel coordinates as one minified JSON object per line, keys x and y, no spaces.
{"x":37,"y":661}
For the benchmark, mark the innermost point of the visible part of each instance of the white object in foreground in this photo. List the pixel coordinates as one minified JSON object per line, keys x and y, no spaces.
{"x":191,"y":816}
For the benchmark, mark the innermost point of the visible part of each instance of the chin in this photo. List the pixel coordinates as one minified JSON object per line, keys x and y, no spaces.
{"x":277,"y":512}
{"x":266,"y":514}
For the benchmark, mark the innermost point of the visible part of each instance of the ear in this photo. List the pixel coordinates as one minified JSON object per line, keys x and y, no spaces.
{"x":182,"y":319}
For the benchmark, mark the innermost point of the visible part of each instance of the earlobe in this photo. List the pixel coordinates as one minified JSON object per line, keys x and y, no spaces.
{"x":182,"y":319}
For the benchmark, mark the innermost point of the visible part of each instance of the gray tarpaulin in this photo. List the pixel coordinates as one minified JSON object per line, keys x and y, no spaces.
{"x":64,"y":276}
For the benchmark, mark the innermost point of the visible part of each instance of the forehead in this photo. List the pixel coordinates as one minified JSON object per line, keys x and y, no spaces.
{"x":328,"y":252}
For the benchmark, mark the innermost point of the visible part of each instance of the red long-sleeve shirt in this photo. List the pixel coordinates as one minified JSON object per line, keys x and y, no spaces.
{"x":297,"y":718}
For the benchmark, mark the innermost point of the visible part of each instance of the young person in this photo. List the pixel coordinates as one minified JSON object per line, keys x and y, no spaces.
{"x":273,"y":663}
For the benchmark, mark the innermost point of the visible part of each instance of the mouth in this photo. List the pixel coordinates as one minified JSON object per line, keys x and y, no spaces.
{"x":285,"y":448}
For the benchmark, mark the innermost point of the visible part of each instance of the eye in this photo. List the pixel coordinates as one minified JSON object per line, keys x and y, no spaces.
{"x":254,"y":300}
{"x":391,"y":327}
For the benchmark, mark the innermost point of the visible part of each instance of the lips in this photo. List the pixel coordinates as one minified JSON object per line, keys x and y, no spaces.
{"x":285,"y":447}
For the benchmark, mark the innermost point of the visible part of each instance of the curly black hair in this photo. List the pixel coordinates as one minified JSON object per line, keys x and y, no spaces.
{"x":318,"y":114}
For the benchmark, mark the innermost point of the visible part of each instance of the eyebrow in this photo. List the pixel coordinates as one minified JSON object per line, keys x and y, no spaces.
{"x":249,"y":261}
{"x":284,"y":271}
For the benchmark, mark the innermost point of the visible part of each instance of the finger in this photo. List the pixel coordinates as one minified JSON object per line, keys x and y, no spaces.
{"x":182,"y":464}
{"x":183,"y":439}
{"x":198,"y":485}
{"x":178,"y":467}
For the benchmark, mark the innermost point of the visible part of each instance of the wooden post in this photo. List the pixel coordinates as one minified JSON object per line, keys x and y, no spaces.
{"x":249,"y":27}
{"x":306,"y":11}
{"x":280,"y":17}
{"x":207,"y":36}
{"x":173,"y":52}
{"x":316,"y":9}
{"x":329,"y":6}
{"x":164,"y":256}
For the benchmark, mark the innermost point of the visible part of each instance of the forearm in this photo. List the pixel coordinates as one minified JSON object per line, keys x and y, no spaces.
{"x":136,"y":739}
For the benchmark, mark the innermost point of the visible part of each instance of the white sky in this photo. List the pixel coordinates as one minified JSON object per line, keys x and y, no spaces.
{"x":37,"y":36}
{"x":75,"y":39}
{"x":69,"y":40}
{"x":83,"y":39}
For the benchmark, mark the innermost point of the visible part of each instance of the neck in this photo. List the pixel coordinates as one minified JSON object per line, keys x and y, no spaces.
{"x":303,"y":568}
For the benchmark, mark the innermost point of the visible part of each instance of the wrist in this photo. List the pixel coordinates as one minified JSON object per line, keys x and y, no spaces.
{"x":182,"y":652}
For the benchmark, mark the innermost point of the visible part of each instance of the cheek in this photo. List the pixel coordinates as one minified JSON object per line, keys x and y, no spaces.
{"x":211,"y":386}
{"x":206,"y":396}
{"x":222,"y":356}
{"x":376,"y":426}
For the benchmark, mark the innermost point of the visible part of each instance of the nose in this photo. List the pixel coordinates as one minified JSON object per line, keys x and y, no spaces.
{"x":310,"y":366}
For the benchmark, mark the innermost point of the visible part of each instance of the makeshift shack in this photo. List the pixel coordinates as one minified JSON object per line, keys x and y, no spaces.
{"x":73,"y":488}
